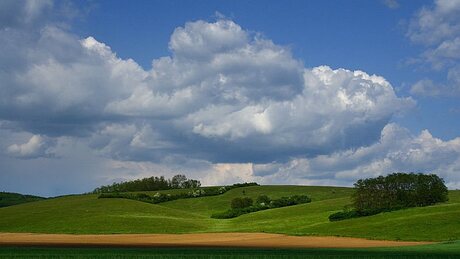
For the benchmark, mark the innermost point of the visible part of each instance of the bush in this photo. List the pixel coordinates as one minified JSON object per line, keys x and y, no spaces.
{"x":233,"y":213}
{"x":343,"y":215}
{"x":111,"y":195}
{"x":289,"y":201}
{"x":281,"y":202}
{"x":244,"y":205}
{"x":241,"y":203}
{"x":300,"y":199}
{"x":263,"y":200}
{"x":142,"y":196}
{"x":236,"y":185}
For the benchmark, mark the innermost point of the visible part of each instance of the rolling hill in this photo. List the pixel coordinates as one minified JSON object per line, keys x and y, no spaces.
{"x":80,"y":214}
{"x":10,"y":198}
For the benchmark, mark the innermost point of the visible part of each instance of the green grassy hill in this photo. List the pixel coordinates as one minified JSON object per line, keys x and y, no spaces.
{"x":9,"y":199}
{"x":87,"y":214}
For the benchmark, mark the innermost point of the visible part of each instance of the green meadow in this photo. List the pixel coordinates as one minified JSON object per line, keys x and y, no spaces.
{"x":86,"y":214}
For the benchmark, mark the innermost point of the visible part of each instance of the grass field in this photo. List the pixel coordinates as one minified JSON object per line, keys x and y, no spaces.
{"x":10,"y":199}
{"x":85,"y":214}
{"x":444,"y":250}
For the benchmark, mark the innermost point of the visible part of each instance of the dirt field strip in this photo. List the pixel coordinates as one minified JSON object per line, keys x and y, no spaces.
{"x":262,"y":240}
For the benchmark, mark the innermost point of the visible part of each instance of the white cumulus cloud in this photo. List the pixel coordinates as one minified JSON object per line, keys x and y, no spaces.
{"x":396,"y":151}
{"x":36,"y":146}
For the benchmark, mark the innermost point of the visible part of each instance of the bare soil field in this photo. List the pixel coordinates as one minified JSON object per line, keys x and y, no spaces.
{"x":256,"y":240}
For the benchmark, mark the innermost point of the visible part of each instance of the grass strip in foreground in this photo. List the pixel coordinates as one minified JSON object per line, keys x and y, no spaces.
{"x":448,"y":250}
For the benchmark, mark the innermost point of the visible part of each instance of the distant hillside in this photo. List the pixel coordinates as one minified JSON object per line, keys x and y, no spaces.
{"x":86,"y":214}
{"x":9,"y":198}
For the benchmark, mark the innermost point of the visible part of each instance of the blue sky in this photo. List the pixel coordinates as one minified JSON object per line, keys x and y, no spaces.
{"x":338,"y":33}
{"x":279,"y":92}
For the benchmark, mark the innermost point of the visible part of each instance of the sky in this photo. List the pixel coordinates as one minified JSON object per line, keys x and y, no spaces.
{"x":277,"y":92}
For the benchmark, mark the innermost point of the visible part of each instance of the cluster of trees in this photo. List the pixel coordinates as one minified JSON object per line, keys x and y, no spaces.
{"x":163,"y":197}
{"x":241,"y":203}
{"x":393,"y":192}
{"x":240,"y":206}
{"x":153,"y":183}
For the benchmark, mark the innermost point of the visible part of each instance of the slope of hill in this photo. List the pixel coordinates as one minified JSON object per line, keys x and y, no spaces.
{"x":87,"y":214}
{"x":10,"y":198}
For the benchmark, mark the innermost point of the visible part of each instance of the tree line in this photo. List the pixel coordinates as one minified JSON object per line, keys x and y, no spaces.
{"x":164,"y":197}
{"x":393,"y":192}
{"x":153,"y":183}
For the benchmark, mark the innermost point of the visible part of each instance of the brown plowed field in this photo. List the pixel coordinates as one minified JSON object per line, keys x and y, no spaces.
{"x":262,"y":240}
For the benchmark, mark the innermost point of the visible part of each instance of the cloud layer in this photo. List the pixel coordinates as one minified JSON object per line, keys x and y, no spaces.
{"x":226,"y":105}
{"x":397,"y":150}
{"x":222,"y":88}
{"x":437,"y":29}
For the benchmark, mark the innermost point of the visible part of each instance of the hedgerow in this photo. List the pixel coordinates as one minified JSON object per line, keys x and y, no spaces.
{"x":263,"y":202}
{"x":162,"y":197}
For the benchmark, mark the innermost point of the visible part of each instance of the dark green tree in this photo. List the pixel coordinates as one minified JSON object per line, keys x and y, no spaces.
{"x":263,"y":199}
{"x":398,"y":190}
{"x":241,"y":203}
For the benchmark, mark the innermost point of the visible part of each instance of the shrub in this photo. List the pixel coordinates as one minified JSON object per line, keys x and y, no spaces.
{"x":343,"y":215}
{"x":197,"y":193}
{"x":233,"y":213}
{"x":240,"y":203}
{"x":142,"y":196}
{"x":111,"y":195}
{"x":263,"y":200}
{"x":289,"y":201}
{"x":300,"y":199}
{"x":240,"y":206}
{"x":244,"y":184}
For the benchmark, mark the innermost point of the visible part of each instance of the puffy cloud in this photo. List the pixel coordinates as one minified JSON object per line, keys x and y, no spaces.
{"x":36,"y":146}
{"x":201,"y":40}
{"x":427,"y":87}
{"x":397,"y":150}
{"x":222,"y":88}
{"x":333,"y":107}
{"x":223,"y":174}
{"x":213,"y":63}
{"x":433,"y":25}
{"x":437,"y":28}
{"x":451,"y":87}
{"x":58,"y":81}
{"x":447,"y":51}
{"x":251,"y":100}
